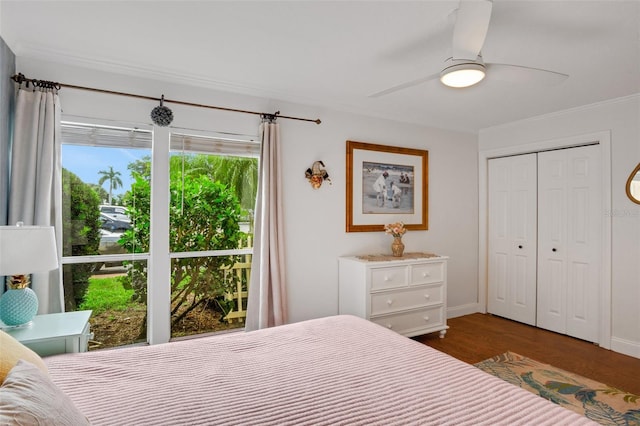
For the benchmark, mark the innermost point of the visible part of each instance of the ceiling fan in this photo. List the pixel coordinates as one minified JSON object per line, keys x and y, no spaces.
{"x":465,"y":67}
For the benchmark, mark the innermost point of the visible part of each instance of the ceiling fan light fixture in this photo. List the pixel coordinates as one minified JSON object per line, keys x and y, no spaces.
{"x":462,"y":75}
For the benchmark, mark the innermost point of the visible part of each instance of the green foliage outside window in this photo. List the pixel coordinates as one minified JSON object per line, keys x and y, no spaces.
{"x":81,"y":235}
{"x":204,"y":215}
{"x":240,"y":174}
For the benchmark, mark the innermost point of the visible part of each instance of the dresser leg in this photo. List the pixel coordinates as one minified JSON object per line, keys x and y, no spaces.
{"x":442,"y":333}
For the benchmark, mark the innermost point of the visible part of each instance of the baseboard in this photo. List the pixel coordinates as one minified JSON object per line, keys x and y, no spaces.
{"x":458,"y":311}
{"x":626,"y":347}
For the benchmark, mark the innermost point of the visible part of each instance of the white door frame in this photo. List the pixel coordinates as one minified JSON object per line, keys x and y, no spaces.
{"x":603,"y":139}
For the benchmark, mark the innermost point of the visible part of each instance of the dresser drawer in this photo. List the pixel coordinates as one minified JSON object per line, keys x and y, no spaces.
{"x":413,"y":322}
{"x":404,"y":299}
{"x":427,"y":273}
{"x":392,"y":277}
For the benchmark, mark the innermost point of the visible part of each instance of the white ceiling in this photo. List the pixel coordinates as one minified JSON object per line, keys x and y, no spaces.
{"x":336,"y":54}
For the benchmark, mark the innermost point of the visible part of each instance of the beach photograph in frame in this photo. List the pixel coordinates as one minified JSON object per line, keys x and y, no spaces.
{"x":385,"y":184}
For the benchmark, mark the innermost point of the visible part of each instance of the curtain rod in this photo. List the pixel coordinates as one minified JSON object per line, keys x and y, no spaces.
{"x":20,"y":78}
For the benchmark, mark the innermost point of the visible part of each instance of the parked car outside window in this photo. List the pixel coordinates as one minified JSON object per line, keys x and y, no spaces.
{"x":115,"y":212}
{"x":113,"y":225}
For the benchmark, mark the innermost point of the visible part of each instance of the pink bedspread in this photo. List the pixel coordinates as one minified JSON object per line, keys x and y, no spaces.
{"x":339,"y":370}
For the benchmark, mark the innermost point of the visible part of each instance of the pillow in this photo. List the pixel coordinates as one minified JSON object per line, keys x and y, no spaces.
{"x":29,"y":397}
{"x":11,"y":351}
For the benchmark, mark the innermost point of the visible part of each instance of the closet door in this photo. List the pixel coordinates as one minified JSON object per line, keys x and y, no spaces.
{"x":569,"y":236}
{"x":512,"y":238}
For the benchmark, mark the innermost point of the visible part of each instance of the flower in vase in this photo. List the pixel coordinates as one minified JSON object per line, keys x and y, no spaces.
{"x":395,"y":229}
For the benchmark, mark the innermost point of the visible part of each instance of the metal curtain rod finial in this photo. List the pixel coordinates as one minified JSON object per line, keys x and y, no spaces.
{"x":20,"y":78}
{"x":45,"y":84}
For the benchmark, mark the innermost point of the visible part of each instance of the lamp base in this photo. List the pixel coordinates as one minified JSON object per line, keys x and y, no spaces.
{"x":11,"y":327}
{"x":18,"y":306}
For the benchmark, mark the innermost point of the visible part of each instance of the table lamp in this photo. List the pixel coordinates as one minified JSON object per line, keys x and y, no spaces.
{"x":24,"y":250}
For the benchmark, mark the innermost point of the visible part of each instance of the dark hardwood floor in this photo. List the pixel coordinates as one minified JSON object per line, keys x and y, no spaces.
{"x":476,"y":337}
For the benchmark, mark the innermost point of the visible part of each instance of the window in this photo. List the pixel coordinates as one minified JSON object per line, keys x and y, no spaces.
{"x":213,"y":185}
{"x":108,"y":236}
{"x":98,"y":164}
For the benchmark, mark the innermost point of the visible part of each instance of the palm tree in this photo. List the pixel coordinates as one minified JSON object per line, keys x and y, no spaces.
{"x":114,"y":180}
{"x":239,"y":173}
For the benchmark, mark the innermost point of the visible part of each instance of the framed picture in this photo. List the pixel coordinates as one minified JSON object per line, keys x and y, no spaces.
{"x":386,"y":184}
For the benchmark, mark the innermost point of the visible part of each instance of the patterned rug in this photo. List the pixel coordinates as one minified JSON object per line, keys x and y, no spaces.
{"x":600,"y":403}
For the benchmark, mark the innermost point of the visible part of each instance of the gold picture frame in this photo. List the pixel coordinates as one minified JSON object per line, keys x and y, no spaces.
{"x":386,"y":184}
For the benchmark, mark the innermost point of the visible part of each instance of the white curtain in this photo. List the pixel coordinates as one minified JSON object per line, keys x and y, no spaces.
{"x":267,"y":304}
{"x":35,"y":189}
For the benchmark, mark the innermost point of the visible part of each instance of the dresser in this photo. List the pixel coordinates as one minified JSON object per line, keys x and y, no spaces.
{"x":406,"y":294}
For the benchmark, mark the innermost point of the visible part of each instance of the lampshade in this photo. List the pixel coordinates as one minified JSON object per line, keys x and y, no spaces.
{"x":27,"y":249}
{"x":462,"y":75}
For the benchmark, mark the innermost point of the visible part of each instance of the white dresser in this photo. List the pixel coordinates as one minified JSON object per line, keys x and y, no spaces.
{"x":407,"y":295}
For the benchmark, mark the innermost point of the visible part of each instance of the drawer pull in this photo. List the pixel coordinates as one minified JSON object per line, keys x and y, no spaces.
{"x":387,"y":278}
{"x":389,"y":326}
{"x":426,"y":296}
{"x":389,"y":302}
{"x":426,"y":274}
{"x":426,"y":318}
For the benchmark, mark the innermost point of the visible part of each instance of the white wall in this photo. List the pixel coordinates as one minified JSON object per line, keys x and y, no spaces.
{"x":620,"y":117}
{"x":315,"y":219}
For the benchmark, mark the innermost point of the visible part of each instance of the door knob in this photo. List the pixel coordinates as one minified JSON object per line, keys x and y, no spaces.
{"x":553,"y":249}
{"x":520,"y":246}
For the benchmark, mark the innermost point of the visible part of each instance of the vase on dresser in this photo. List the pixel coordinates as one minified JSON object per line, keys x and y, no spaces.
{"x":397,"y":247}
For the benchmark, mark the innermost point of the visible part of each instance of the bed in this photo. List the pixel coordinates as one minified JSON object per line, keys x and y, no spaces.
{"x":339,"y":370}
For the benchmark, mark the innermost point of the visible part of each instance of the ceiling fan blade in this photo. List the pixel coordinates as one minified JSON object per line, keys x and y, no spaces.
{"x":471,"y":27}
{"x":521,"y":74}
{"x":405,"y":85}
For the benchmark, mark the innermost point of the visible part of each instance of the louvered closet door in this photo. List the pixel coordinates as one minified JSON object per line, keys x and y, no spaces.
{"x":512,"y":238}
{"x":569,"y":239}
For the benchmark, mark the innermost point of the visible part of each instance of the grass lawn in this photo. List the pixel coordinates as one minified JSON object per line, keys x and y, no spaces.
{"x":118,"y":321}
{"x":106,"y":294}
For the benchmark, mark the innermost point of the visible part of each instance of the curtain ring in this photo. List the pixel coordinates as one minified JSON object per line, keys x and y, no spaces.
{"x":270,"y":118}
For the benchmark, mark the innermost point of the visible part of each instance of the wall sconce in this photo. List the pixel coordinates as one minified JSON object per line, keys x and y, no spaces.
{"x":316,"y":174}
{"x":24,"y":250}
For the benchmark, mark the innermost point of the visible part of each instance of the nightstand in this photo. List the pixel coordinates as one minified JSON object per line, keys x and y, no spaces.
{"x":53,"y":334}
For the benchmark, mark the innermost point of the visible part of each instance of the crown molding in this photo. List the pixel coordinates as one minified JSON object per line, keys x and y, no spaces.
{"x":164,"y":74}
{"x":564,"y":112}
